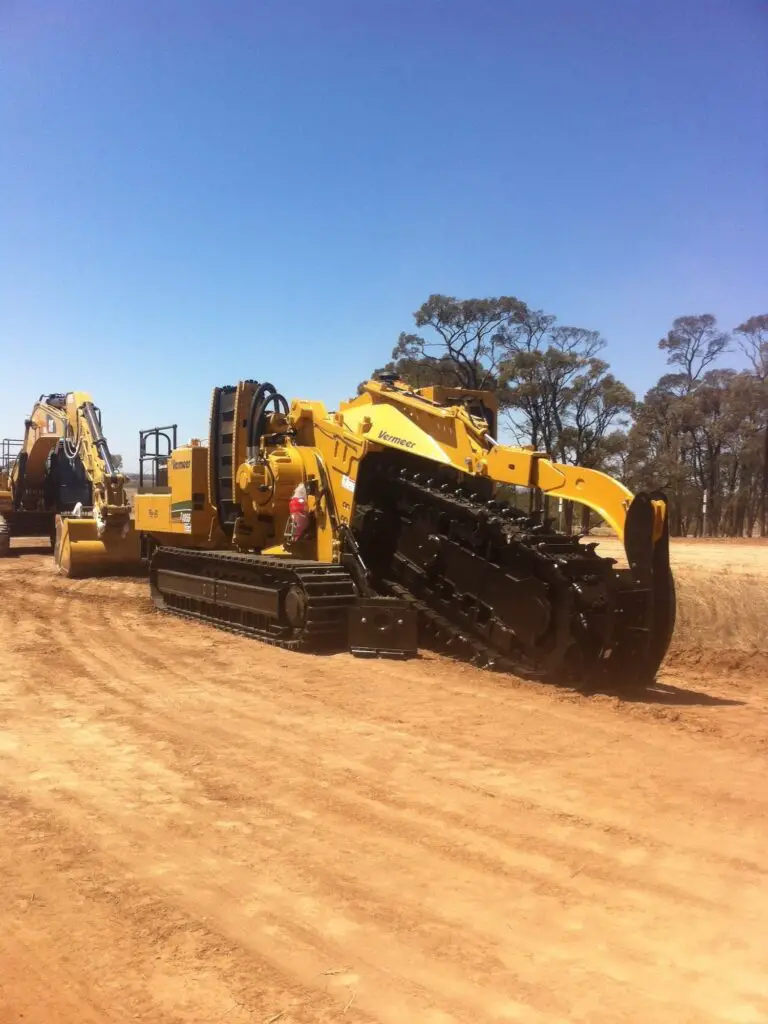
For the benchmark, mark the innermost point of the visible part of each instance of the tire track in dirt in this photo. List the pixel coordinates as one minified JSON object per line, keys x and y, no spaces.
{"x":172,"y":966}
{"x":450,"y":848}
{"x":285,"y":731}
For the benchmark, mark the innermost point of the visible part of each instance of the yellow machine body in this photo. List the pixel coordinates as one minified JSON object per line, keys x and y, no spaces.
{"x":27,"y":499}
{"x":452,"y":436}
{"x":24,"y":471}
{"x":6,"y":509}
{"x":399,"y":487}
{"x":94,"y":535}
{"x":6,"y":495}
{"x":184,"y":513}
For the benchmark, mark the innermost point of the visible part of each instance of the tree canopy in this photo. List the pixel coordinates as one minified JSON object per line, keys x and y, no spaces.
{"x":700,"y":431}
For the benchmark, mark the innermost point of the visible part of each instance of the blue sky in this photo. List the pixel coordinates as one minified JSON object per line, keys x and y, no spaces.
{"x":192,"y":193}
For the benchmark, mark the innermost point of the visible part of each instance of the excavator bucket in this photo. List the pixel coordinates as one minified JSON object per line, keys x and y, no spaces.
{"x":79,"y":550}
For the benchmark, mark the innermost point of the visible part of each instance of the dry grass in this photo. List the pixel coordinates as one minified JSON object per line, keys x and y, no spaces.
{"x":721,"y":611}
{"x":722,"y":603}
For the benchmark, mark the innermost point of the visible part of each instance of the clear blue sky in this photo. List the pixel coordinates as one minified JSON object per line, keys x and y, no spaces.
{"x":192,"y":193}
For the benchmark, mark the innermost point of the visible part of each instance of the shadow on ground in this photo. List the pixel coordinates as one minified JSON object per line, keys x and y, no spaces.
{"x":20,"y":550}
{"x":656,"y":693}
{"x":662,"y":693}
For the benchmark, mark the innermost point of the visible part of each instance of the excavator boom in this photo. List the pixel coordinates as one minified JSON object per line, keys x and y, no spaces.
{"x":99,"y":539}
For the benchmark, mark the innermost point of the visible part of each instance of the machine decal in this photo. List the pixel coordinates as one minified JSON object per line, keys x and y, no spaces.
{"x":181,"y":512}
{"x":391,"y":439}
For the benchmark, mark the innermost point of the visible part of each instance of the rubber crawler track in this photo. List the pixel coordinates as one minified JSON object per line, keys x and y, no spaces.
{"x":328,"y":591}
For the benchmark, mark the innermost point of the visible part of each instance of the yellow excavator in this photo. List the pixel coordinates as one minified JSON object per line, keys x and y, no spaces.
{"x":96,"y":536}
{"x":34,"y":485}
{"x":366,"y":527}
{"x":59,"y":482}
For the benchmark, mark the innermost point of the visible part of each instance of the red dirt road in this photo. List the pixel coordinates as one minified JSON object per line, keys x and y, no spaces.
{"x":197,"y":828}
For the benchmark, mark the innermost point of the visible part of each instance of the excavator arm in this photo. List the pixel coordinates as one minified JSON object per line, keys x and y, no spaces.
{"x":84,"y":440}
{"x":99,"y":538}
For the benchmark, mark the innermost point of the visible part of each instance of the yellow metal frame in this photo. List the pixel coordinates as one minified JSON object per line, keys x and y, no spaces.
{"x":328,"y":448}
{"x":106,"y":539}
{"x":391,"y":415}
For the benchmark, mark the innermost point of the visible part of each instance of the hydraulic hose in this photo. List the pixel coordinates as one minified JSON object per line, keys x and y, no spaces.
{"x":265,"y":395}
{"x":99,"y":441}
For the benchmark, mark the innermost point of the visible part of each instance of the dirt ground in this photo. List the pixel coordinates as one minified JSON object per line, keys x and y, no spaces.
{"x":736,"y":555}
{"x":197,"y":828}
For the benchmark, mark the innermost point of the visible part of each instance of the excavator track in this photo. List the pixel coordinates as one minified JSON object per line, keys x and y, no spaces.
{"x":499,"y":586}
{"x":299,"y":606}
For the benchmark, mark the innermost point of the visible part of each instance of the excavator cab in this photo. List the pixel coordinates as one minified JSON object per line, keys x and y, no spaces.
{"x":66,"y":484}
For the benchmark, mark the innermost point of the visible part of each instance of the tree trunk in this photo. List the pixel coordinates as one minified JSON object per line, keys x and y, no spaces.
{"x":675,"y":517}
{"x":585,"y":518}
{"x":568,"y":517}
{"x":740,"y":515}
{"x":764,"y":491}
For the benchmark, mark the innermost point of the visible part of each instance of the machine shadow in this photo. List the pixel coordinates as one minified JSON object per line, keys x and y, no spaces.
{"x":21,"y":550}
{"x":660,"y":693}
{"x":657,"y":692}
